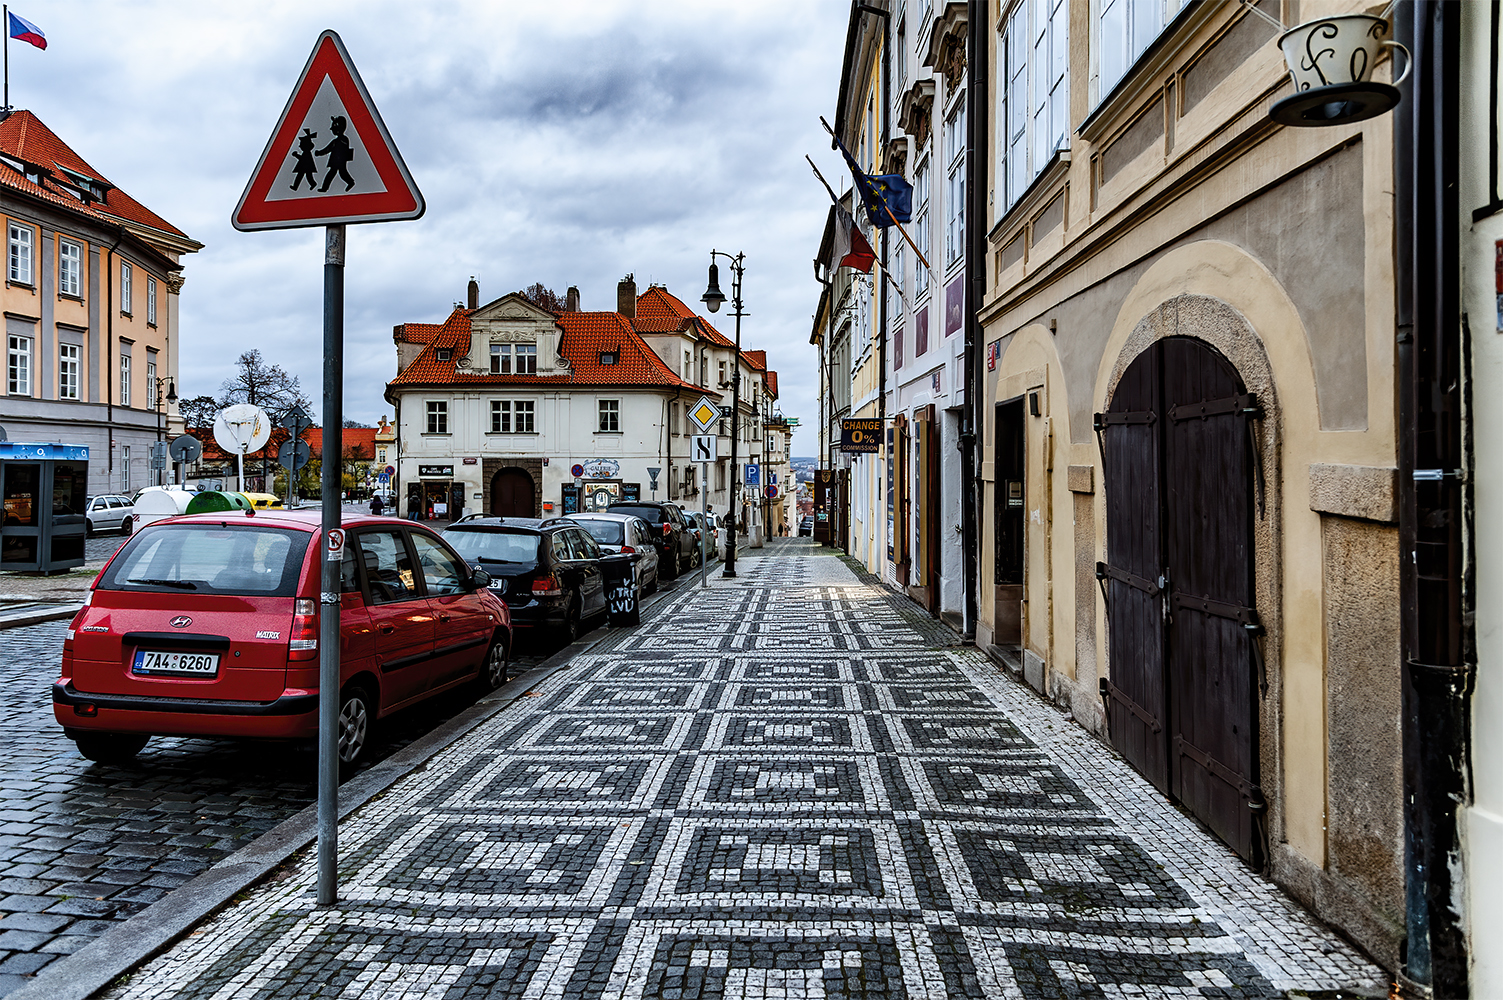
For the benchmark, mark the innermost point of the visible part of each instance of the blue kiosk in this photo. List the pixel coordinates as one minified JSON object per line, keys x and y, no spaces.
{"x":44,"y":487}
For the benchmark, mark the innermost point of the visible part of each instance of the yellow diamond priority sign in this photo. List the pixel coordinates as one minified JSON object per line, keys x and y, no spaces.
{"x":704,"y":413}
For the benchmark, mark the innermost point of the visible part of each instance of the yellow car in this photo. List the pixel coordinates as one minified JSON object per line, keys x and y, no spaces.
{"x":262,"y":501}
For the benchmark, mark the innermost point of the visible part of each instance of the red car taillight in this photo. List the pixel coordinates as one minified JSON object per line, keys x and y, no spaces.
{"x":303,"y":641}
{"x":547,"y":586}
{"x":667,"y":528}
{"x":627,"y":549}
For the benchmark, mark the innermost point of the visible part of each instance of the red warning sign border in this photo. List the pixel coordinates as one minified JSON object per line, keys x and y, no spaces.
{"x":400,"y":200}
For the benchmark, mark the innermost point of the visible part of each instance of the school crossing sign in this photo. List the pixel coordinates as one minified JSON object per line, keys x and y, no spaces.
{"x":330,"y":160}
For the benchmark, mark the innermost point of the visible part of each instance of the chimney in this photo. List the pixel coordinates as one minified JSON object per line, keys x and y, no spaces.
{"x":571,"y":299}
{"x":473,"y":294}
{"x":626,"y":297}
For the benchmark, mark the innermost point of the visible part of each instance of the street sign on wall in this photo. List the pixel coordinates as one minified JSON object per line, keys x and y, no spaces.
{"x":329,"y":160}
{"x":703,"y":448}
{"x":753,"y":474}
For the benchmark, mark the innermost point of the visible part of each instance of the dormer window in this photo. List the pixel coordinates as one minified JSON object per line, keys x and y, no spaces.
{"x":527,"y":358}
{"x":444,"y":354}
{"x":609,"y":357}
{"x":500,"y":359}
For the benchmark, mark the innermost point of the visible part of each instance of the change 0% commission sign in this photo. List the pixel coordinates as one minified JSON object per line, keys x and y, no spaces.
{"x":861,"y":435}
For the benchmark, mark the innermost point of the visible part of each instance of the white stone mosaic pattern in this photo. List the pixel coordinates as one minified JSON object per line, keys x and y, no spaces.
{"x":786,"y":786}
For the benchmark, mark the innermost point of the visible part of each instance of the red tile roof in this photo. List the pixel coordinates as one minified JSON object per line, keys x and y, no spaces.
{"x":772,"y":383}
{"x":586,"y":335}
{"x":24,"y":137}
{"x":757,"y":359}
{"x":660,"y":311}
{"x":363,"y":438}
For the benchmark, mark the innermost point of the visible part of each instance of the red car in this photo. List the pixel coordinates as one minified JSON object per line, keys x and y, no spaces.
{"x":207,"y":625}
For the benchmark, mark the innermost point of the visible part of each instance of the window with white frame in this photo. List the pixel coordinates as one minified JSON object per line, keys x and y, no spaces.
{"x":438,"y":416}
{"x":955,"y":188}
{"x":67,"y":371}
{"x":152,"y":389}
{"x":610,"y":416}
{"x":69,"y":268}
{"x":1034,"y":106}
{"x":921,"y":227}
{"x":19,"y":269}
{"x":125,"y":380}
{"x":721,"y":369}
{"x":511,"y":416}
{"x":527,"y":359}
{"x":125,"y":276}
{"x":500,"y":359}
{"x":1124,"y":29}
{"x":899,"y":269}
{"x":151,"y":300}
{"x":18,"y":366}
{"x":125,"y":468}
{"x":688,"y":365}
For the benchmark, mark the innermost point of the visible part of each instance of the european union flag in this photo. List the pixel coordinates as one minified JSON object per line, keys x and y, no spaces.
{"x":881,"y":193}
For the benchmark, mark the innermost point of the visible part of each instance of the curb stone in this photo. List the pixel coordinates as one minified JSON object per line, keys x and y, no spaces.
{"x":49,"y":614}
{"x":119,"y":950}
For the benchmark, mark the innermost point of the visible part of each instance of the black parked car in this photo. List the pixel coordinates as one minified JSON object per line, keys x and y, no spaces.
{"x":671,"y":533}
{"x":548,"y":571}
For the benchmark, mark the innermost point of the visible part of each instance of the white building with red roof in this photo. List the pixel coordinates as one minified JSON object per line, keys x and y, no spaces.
{"x":92,"y":278}
{"x":507,"y":408}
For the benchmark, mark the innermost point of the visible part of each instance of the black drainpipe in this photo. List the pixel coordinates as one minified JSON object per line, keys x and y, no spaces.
{"x":975,"y":293}
{"x":1436,"y":633}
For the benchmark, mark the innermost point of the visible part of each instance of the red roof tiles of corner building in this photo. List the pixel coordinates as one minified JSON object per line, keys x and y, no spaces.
{"x":23,"y":136}
{"x":757,"y":359}
{"x":660,"y":311}
{"x":772,"y":383}
{"x":586,"y":335}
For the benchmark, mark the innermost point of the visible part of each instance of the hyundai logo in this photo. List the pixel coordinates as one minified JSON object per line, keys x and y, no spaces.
{"x":181,"y":621}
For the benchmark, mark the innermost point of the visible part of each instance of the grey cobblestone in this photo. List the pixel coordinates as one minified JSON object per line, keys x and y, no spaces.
{"x":786,"y":787}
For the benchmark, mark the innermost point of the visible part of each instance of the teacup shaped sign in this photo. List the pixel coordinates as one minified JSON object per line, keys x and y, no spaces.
{"x":1331,"y":62}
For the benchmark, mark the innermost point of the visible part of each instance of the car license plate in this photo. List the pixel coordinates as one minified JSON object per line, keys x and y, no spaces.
{"x":151,"y":661}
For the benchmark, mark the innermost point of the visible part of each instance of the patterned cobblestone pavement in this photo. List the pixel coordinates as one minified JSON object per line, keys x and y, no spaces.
{"x":784,"y":787}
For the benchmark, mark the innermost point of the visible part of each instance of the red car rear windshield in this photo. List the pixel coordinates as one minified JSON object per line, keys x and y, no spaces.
{"x":248,"y":561}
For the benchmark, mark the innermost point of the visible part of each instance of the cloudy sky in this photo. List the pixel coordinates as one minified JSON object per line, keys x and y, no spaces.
{"x":566,"y":141}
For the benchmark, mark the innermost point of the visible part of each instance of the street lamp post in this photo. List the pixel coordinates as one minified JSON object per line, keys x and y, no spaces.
{"x":157,"y":400}
{"x":713,"y":298}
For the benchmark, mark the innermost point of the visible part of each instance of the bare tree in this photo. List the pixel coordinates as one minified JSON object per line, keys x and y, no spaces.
{"x":543,"y":297}
{"x":262,"y":384}
{"x":265,"y":385}
{"x":198,"y":411}
{"x":351,"y":422}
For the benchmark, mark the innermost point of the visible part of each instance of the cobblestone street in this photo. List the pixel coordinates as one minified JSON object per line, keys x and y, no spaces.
{"x":792,"y":785}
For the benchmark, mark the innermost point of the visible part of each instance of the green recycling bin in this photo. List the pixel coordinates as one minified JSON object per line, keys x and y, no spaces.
{"x":214,"y":501}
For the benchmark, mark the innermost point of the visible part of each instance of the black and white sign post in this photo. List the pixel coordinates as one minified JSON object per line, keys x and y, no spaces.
{"x":370,"y":183}
{"x":704,"y":451}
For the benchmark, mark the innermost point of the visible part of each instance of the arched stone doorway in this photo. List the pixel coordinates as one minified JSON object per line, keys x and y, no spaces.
{"x":1183,"y":635}
{"x":513,"y":493}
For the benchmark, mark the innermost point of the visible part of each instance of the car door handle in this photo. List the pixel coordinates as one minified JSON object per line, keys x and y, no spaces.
{"x":443,"y":617}
{"x":385,"y":629}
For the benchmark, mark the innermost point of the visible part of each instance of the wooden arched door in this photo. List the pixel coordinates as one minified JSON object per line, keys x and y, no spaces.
{"x":513,"y":493}
{"x":1183,"y":697}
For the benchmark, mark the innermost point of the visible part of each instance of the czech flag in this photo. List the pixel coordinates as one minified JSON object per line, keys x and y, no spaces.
{"x":23,"y":29}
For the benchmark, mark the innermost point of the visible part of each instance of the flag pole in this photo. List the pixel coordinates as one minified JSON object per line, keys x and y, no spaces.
{"x":885,"y":207}
{"x":876,"y":263}
{"x":5,"y":16}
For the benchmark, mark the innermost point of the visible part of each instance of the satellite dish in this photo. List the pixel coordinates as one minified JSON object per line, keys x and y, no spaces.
{"x":185,"y":448}
{"x":242,"y":428}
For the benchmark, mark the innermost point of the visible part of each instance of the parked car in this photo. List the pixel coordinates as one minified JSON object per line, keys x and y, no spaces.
{"x":207,"y":625}
{"x":622,"y":533}
{"x":108,"y":512}
{"x":671,"y":534}
{"x":706,"y":524}
{"x":806,"y":525}
{"x":548,"y":571}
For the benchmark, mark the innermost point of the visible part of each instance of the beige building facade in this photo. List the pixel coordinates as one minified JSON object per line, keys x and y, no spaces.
{"x":1176,"y":284}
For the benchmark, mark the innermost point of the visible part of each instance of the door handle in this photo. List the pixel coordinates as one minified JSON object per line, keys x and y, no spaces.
{"x":443,"y":617}
{"x":386,"y":629}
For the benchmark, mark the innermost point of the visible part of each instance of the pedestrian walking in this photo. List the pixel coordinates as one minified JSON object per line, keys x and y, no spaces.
{"x":376,"y":505}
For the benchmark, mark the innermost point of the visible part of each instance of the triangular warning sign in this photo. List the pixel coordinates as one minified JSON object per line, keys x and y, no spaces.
{"x":330,"y":159}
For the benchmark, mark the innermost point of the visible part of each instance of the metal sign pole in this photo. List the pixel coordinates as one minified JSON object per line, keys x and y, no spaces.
{"x":328,"y":566}
{"x":704,"y":521}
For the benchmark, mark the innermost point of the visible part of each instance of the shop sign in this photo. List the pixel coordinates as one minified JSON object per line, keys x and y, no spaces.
{"x":861,"y":436}
{"x":602,"y":468}
{"x":435,"y":471}
{"x":471,"y":461}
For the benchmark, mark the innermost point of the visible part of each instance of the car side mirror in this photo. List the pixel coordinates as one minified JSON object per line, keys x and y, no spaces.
{"x":480,"y":579}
